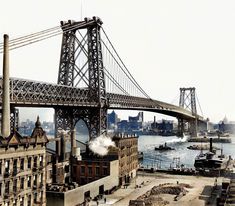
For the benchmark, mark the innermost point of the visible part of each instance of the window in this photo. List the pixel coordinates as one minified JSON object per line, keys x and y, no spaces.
{"x":90,"y":171}
{"x":15,"y":185}
{"x":29,"y":200}
{"x":7,"y":184}
{"x":29,"y":162}
{"x":22,"y":183}
{"x":35,"y":162}
{"x":0,"y":167}
{"x":14,"y":202}
{"x":0,"y":189}
{"x":29,"y":181}
{"x":7,"y":162}
{"x":82,"y":170}
{"x":35,"y":197}
{"x":41,"y":161}
{"x":22,"y":164}
{"x":15,"y":166}
{"x":97,"y":171}
{"x":22,"y":201}
{"x":35,"y":181}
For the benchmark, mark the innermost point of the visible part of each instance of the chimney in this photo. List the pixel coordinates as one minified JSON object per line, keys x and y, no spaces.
{"x":73,"y":142}
{"x":6,"y":93}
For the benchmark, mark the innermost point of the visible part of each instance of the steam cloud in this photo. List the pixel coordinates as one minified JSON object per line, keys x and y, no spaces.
{"x":100,"y":145}
{"x":178,"y":140}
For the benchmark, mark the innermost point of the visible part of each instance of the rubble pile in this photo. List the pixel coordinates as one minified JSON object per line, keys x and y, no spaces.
{"x":152,"y":198}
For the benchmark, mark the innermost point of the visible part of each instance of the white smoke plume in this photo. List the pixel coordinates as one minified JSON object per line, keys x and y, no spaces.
{"x":100,"y":145}
{"x":178,"y":140}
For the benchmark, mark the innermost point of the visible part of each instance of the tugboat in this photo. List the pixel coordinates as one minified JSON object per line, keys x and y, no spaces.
{"x":210,"y":161}
{"x":163,"y":147}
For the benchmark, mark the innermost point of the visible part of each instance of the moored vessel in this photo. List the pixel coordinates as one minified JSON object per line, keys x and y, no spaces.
{"x":210,"y":161}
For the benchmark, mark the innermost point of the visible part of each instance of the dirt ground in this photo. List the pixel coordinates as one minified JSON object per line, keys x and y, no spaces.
{"x":201,"y":192}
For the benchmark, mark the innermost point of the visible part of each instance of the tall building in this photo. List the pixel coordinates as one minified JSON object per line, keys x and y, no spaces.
{"x":22,"y":168}
{"x":112,"y":120}
{"x":133,"y":125}
{"x":128,"y":157}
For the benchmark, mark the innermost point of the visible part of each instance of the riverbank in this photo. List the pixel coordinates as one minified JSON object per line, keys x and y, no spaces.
{"x":199,"y":190}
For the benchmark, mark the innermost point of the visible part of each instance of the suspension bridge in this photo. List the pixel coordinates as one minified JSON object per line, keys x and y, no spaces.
{"x":92,"y":78}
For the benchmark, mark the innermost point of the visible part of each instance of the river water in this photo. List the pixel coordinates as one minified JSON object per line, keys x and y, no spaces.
{"x":181,"y":155}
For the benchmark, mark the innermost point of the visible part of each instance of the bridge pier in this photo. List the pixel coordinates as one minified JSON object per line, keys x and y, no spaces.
{"x":95,"y":119}
{"x":181,"y":127}
{"x":193,"y":128}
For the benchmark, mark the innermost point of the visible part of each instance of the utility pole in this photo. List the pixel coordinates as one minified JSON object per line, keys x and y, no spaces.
{"x":6,"y":93}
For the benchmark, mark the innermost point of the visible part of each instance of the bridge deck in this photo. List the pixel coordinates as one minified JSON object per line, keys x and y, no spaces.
{"x":28,"y":93}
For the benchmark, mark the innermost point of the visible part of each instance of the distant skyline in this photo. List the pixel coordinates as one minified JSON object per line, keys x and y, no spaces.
{"x":165,"y":45}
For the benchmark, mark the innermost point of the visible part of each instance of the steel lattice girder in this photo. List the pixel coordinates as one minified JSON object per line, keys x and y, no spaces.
{"x":96,"y":87}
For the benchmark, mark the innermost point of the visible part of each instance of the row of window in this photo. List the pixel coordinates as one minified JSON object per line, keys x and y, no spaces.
{"x":22,"y":200}
{"x":22,"y":164}
{"x":22,"y":186}
{"x":128,"y":143}
{"x":90,"y":170}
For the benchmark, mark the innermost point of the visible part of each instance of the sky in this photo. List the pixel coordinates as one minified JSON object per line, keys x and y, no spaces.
{"x":165,"y":45}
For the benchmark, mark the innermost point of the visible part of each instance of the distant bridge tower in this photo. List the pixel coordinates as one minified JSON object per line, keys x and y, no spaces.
{"x":188,"y":101}
{"x":81,"y":65}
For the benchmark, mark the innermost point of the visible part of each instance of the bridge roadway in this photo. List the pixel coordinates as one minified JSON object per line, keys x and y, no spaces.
{"x":30,"y":93}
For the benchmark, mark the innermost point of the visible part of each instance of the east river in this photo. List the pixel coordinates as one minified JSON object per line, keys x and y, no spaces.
{"x":180,"y":154}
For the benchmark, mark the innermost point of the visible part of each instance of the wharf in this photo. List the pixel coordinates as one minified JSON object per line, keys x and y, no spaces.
{"x":173,"y":171}
{"x":206,"y":139}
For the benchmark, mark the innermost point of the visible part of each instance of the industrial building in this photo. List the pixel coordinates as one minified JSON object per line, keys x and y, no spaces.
{"x":90,"y":175}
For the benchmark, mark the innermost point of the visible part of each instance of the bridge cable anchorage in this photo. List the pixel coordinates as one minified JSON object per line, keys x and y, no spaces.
{"x":130,"y":75}
{"x":39,"y":36}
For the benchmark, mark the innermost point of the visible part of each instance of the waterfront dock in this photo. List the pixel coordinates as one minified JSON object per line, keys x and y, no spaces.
{"x":214,"y":139}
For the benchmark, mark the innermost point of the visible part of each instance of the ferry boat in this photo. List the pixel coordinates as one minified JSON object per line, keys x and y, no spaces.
{"x":210,"y":161}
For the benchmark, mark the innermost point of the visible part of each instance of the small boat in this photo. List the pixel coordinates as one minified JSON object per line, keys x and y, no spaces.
{"x":163,"y":147}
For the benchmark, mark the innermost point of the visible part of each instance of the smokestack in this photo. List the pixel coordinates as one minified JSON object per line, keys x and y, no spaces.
{"x":6,"y":93}
{"x":210,"y":144}
{"x":63,"y":146}
{"x":73,"y":142}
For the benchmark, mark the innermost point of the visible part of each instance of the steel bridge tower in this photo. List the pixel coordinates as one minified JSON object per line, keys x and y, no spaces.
{"x":188,"y":101}
{"x":90,"y":73}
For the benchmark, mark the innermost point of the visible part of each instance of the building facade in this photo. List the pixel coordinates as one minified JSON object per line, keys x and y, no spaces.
{"x":22,"y":168}
{"x":128,"y":157}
